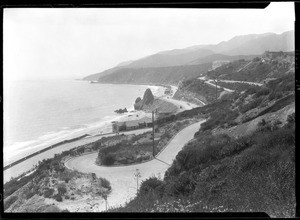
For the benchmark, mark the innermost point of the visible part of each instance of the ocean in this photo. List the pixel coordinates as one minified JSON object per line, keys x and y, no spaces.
{"x":40,"y":113}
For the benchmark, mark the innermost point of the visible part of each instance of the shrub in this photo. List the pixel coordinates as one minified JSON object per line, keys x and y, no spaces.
{"x":9,"y":202}
{"x":48,"y":193}
{"x":61,"y":189}
{"x":150,"y":184}
{"x":254,"y":104}
{"x":108,"y":159}
{"x":291,"y":119}
{"x":105,"y":183}
{"x":275,"y":95}
{"x":252,"y":90}
{"x":57,"y":197}
{"x":65,"y":176}
{"x":262,"y":91}
{"x":30,"y":194}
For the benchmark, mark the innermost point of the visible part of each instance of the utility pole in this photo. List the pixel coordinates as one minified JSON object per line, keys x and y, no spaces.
{"x":137,"y":176}
{"x":153,"y":132}
{"x":216,"y":88}
{"x":105,"y":198}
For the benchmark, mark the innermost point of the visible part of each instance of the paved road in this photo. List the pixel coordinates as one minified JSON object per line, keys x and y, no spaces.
{"x":246,"y":82}
{"x":122,"y":178}
{"x":29,"y":163}
{"x":211,"y":82}
{"x":184,"y":105}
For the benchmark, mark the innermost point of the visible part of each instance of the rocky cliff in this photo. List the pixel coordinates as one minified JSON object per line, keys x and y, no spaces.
{"x":148,"y":99}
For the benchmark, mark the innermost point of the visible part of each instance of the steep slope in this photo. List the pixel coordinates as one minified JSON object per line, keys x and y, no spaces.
{"x":96,"y":76}
{"x":162,"y":75}
{"x":215,"y":57}
{"x":174,"y":59}
{"x":269,"y":65}
{"x":218,"y":171}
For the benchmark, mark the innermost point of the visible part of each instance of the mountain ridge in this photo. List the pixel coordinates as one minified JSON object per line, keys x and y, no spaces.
{"x":239,"y":45}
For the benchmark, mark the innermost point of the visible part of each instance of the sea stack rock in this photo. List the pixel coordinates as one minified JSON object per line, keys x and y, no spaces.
{"x":137,"y":100}
{"x":148,"y":99}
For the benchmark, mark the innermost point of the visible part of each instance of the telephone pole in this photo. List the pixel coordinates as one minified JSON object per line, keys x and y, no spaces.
{"x":153,"y":132}
{"x":216,"y":88}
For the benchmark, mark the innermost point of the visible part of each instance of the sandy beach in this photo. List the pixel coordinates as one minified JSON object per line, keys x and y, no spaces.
{"x":96,"y":132}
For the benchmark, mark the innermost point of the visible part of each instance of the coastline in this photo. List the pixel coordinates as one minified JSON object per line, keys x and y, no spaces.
{"x":138,"y":84}
{"x":45,"y":151}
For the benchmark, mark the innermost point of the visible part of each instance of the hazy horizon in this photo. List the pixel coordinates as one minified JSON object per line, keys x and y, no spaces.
{"x":73,"y":43}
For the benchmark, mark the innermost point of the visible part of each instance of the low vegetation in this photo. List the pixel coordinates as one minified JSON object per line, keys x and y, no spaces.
{"x":50,"y":180}
{"x":257,"y":69}
{"x":139,"y":148}
{"x":215,"y":172}
{"x":218,"y":173}
{"x":170,"y":75}
{"x":193,"y":89}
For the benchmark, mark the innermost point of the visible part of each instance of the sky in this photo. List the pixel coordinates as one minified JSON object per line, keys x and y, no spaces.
{"x":66,"y":43}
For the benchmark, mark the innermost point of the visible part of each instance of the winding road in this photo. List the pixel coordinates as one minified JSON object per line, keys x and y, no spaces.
{"x":122,"y":179}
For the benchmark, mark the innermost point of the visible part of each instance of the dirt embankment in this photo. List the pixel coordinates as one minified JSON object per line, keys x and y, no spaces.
{"x":57,"y":192}
{"x":250,"y":126}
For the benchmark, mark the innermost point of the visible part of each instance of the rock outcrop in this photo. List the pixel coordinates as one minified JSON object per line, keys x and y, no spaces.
{"x":120,"y":111}
{"x":148,"y":99}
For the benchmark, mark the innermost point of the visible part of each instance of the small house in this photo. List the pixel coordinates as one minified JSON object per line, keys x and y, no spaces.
{"x":132,"y":125}
{"x":164,"y":114}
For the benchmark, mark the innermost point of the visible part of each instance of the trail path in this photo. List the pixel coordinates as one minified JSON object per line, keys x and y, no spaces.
{"x":122,"y":178}
{"x":244,"y":66}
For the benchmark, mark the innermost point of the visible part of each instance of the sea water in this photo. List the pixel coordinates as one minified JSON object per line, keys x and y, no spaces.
{"x":40,"y":113}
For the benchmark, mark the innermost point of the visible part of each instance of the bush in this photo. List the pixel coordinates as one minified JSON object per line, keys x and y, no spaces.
{"x":61,"y":189}
{"x":30,"y":194}
{"x":275,"y":95}
{"x":109,"y":159}
{"x":58,"y":197}
{"x":66,"y":177}
{"x":254,"y":104}
{"x":9,"y":202}
{"x":150,"y":184}
{"x":291,"y":119}
{"x":48,"y":193}
{"x":105,"y":183}
{"x":262,"y":91}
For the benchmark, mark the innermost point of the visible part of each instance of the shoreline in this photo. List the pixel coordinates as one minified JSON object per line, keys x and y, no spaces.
{"x":138,"y":84}
{"x":14,"y":166}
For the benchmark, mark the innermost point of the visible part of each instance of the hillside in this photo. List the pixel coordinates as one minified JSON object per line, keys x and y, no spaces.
{"x":161,"y":75}
{"x":255,"y":44}
{"x":239,"y":46}
{"x":270,"y":65}
{"x":216,"y":57}
{"x":224,"y":168}
{"x":95,"y":77}
{"x":175,"y":59}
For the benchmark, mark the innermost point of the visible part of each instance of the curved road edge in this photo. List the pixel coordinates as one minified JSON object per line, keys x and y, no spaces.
{"x":123,"y":183}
